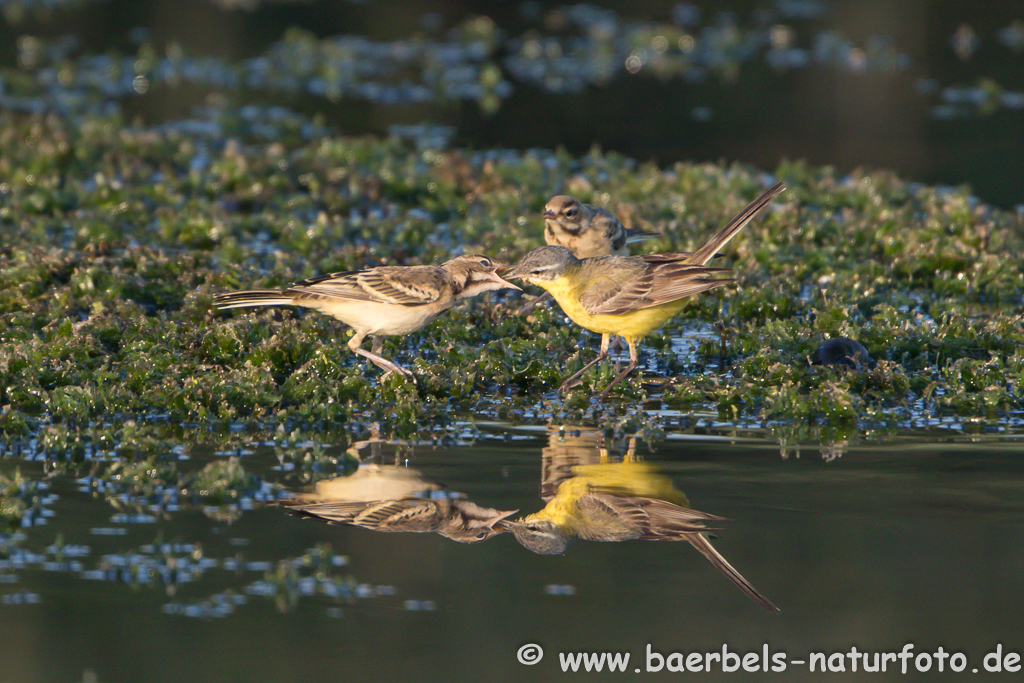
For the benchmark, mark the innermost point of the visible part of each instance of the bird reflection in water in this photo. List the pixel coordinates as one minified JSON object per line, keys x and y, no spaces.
{"x":588,"y":494}
{"x":592,"y":498}
{"x":395,"y":498}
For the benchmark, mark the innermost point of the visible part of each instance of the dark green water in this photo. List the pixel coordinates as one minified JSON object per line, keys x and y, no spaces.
{"x":890,"y":544}
{"x":928,"y":88}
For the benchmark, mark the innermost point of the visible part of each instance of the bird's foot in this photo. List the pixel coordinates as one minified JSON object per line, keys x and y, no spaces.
{"x":529,"y":306}
{"x":399,"y":371}
{"x":569,"y":384}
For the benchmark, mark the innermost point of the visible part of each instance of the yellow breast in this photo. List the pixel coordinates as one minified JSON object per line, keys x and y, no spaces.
{"x":632,"y":324}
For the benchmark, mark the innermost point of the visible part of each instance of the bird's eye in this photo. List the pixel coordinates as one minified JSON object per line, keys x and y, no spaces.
{"x":571,"y":212}
{"x":481,"y":536}
{"x":485,"y":263}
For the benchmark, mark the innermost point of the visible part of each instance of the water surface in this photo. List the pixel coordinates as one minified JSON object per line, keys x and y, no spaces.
{"x":889,"y":544}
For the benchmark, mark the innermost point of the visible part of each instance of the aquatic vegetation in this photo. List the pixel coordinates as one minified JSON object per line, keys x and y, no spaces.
{"x":119,"y":242}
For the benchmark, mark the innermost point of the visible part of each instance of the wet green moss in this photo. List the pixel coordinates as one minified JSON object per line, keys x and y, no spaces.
{"x":121,"y":236}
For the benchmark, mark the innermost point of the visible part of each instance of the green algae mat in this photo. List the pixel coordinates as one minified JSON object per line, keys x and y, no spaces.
{"x":117,"y":237}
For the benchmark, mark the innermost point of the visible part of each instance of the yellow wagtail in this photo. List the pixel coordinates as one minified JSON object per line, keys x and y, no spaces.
{"x":621,"y":502}
{"x":586,"y":231}
{"x":383,"y":301}
{"x":629,"y":296}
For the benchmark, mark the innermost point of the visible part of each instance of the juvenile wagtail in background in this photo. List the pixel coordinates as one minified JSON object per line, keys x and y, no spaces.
{"x":388,"y":300}
{"x":621,"y":502}
{"x":587,"y":230}
{"x":629,"y":296}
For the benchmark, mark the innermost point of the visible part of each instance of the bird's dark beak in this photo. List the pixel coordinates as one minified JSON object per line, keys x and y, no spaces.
{"x":500,"y":519}
{"x":548,"y":213}
{"x":509,"y":271}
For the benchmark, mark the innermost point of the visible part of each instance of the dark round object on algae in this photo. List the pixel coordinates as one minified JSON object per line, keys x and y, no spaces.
{"x":841,"y":351}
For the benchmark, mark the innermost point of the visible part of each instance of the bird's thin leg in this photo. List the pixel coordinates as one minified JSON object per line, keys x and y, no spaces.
{"x":528,"y":308}
{"x":634,"y":359}
{"x":374,"y":356}
{"x":620,"y":343}
{"x":575,"y":379}
{"x":376,"y":345}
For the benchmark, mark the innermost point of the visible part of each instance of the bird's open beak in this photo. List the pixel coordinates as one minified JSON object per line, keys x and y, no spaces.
{"x":497,"y":279}
{"x":501,"y":518}
{"x":548,"y":213}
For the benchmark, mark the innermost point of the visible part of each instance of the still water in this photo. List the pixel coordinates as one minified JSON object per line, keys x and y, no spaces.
{"x":892,"y":543}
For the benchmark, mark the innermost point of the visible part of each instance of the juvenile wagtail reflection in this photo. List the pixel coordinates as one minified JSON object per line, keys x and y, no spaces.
{"x":396,"y":499}
{"x":621,"y":502}
{"x":629,"y":296}
{"x":384,"y":301}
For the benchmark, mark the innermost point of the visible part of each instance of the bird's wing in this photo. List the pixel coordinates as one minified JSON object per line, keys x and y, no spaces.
{"x":332,"y":512}
{"x":404,"y":514}
{"x":631,"y":283}
{"x":666,"y":257}
{"x":605,"y":518}
{"x":671,"y":522}
{"x":608,"y":278}
{"x":676,"y":280}
{"x":407,"y":514}
{"x":409,"y":285}
{"x":620,"y":518}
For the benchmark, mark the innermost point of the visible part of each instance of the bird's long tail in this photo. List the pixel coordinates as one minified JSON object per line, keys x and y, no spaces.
{"x":703,"y":545}
{"x":732,"y":228}
{"x":254,"y":297}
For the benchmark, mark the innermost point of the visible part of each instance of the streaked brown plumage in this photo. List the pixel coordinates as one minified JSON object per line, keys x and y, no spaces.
{"x":384,"y":301}
{"x":455,"y":518}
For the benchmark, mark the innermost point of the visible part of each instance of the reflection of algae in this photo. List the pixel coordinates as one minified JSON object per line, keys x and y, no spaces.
{"x":21,"y":501}
{"x":177,"y":567}
{"x":154,"y":486}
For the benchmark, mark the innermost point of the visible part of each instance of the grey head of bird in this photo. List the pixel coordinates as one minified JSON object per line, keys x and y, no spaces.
{"x":474,"y":274}
{"x":566,"y":213}
{"x":541,"y":536}
{"x":543,"y":263}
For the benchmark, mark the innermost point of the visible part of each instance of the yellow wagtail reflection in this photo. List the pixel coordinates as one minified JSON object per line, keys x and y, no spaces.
{"x":620,"y":502}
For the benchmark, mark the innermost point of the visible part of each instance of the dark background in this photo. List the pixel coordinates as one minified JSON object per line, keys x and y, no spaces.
{"x":820,"y":113}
